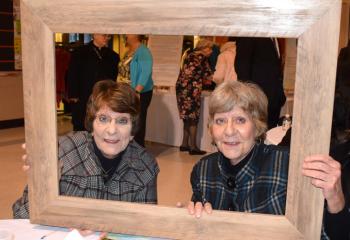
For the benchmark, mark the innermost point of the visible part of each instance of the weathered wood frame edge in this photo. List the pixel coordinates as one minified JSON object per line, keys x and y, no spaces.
{"x":314,"y":92}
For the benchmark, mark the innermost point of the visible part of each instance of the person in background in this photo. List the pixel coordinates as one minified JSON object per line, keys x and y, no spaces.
{"x":248,"y":176}
{"x":342,"y":90}
{"x":124,"y":66}
{"x":62,"y":57}
{"x":212,"y":59}
{"x":225,"y":66}
{"x":194,"y":74}
{"x":89,"y":64}
{"x":105,"y":162}
{"x":141,"y":79}
{"x":258,"y":60}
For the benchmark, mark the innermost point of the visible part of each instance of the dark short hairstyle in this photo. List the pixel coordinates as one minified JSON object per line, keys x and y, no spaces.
{"x":119,"y":97}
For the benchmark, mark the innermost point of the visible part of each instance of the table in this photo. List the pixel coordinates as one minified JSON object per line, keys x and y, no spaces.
{"x":165,"y":126}
{"x":275,"y":135}
{"x":22,"y":229}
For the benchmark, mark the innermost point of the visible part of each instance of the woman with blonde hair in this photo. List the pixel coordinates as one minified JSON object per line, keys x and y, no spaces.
{"x":141,"y":65}
{"x":246,"y":175}
{"x":193,"y":75}
{"x":225,"y":66}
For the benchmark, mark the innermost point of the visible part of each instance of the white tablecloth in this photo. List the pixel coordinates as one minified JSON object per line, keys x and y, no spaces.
{"x":275,"y":135}
{"x":23,"y":230}
{"x":165,"y":126}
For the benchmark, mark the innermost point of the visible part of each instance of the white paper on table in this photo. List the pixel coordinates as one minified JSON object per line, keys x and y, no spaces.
{"x":275,"y":135}
{"x":74,"y":235}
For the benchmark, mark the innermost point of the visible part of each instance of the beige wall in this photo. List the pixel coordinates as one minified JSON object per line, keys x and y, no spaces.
{"x":11,"y":95}
{"x":344,"y":27}
{"x":290,"y":64}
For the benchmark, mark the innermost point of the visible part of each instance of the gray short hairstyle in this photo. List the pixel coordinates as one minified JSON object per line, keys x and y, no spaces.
{"x":247,"y":96}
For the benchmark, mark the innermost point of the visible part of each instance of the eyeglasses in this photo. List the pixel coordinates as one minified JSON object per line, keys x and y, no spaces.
{"x":103,"y":120}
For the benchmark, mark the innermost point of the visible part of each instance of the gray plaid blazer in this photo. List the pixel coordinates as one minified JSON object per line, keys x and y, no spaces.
{"x":135,"y":179}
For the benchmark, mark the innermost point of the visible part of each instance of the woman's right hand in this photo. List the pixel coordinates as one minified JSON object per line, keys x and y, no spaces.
{"x":197,"y":209}
{"x":85,"y":233}
{"x":26,"y":165}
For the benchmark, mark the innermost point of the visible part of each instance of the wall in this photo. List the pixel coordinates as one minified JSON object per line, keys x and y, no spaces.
{"x":6,"y":36}
{"x":344,"y":27}
{"x":11,"y":95}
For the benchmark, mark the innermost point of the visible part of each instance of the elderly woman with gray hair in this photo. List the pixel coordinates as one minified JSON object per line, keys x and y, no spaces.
{"x":193,"y":75}
{"x":248,"y":176}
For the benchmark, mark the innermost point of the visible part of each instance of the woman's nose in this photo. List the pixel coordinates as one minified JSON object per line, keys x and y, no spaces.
{"x":112,"y":128}
{"x":230,"y":128}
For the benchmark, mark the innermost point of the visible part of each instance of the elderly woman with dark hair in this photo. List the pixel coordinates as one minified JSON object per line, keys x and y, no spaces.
{"x":105,"y":162}
{"x":248,"y":176}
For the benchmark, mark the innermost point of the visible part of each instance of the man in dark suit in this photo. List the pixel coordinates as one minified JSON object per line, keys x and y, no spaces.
{"x":89,"y":63}
{"x":258,"y":61}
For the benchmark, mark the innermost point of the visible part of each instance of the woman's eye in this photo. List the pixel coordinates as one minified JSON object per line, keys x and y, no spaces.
{"x":240,"y":120}
{"x":103,"y":119}
{"x":220,"y":121}
{"x":123,"y":121}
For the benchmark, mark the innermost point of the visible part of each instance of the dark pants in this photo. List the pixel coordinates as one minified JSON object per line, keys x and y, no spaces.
{"x":273,"y":116}
{"x":78,"y":115}
{"x":276,"y":100}
{"x":145,"y":100}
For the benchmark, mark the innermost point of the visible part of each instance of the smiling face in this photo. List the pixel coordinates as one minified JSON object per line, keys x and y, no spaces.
{"x":111,"y":131}
{"x":234,"y":133}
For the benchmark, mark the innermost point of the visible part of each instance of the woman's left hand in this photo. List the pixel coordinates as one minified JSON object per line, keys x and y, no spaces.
{"x":325,"y":173}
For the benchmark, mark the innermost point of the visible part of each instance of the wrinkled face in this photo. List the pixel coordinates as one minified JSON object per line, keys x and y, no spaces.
{"x":207,"y":51}
{"x":234,"y":134}
{"x":111,"y":131}
{"x":101,"y":40}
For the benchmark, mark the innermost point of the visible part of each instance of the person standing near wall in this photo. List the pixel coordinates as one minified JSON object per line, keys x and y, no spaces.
{"x":225,"y":66}
{"x":141,"y":79}
{"x":193,"y":76}
{"x":89,"y":64}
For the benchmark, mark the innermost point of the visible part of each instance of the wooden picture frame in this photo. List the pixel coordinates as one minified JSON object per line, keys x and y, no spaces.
{"x":314,"y":22}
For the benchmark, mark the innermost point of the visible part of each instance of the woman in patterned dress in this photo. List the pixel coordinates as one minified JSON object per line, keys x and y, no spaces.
{"x":194,"y":74}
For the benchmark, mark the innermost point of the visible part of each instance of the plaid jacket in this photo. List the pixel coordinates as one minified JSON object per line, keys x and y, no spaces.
{"x":135,"y":179}
{"x":260,"y":186}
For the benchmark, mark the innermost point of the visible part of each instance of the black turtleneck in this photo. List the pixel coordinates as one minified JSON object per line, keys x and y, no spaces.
{"x":232,"y":170}
{"x":109,"y":166}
